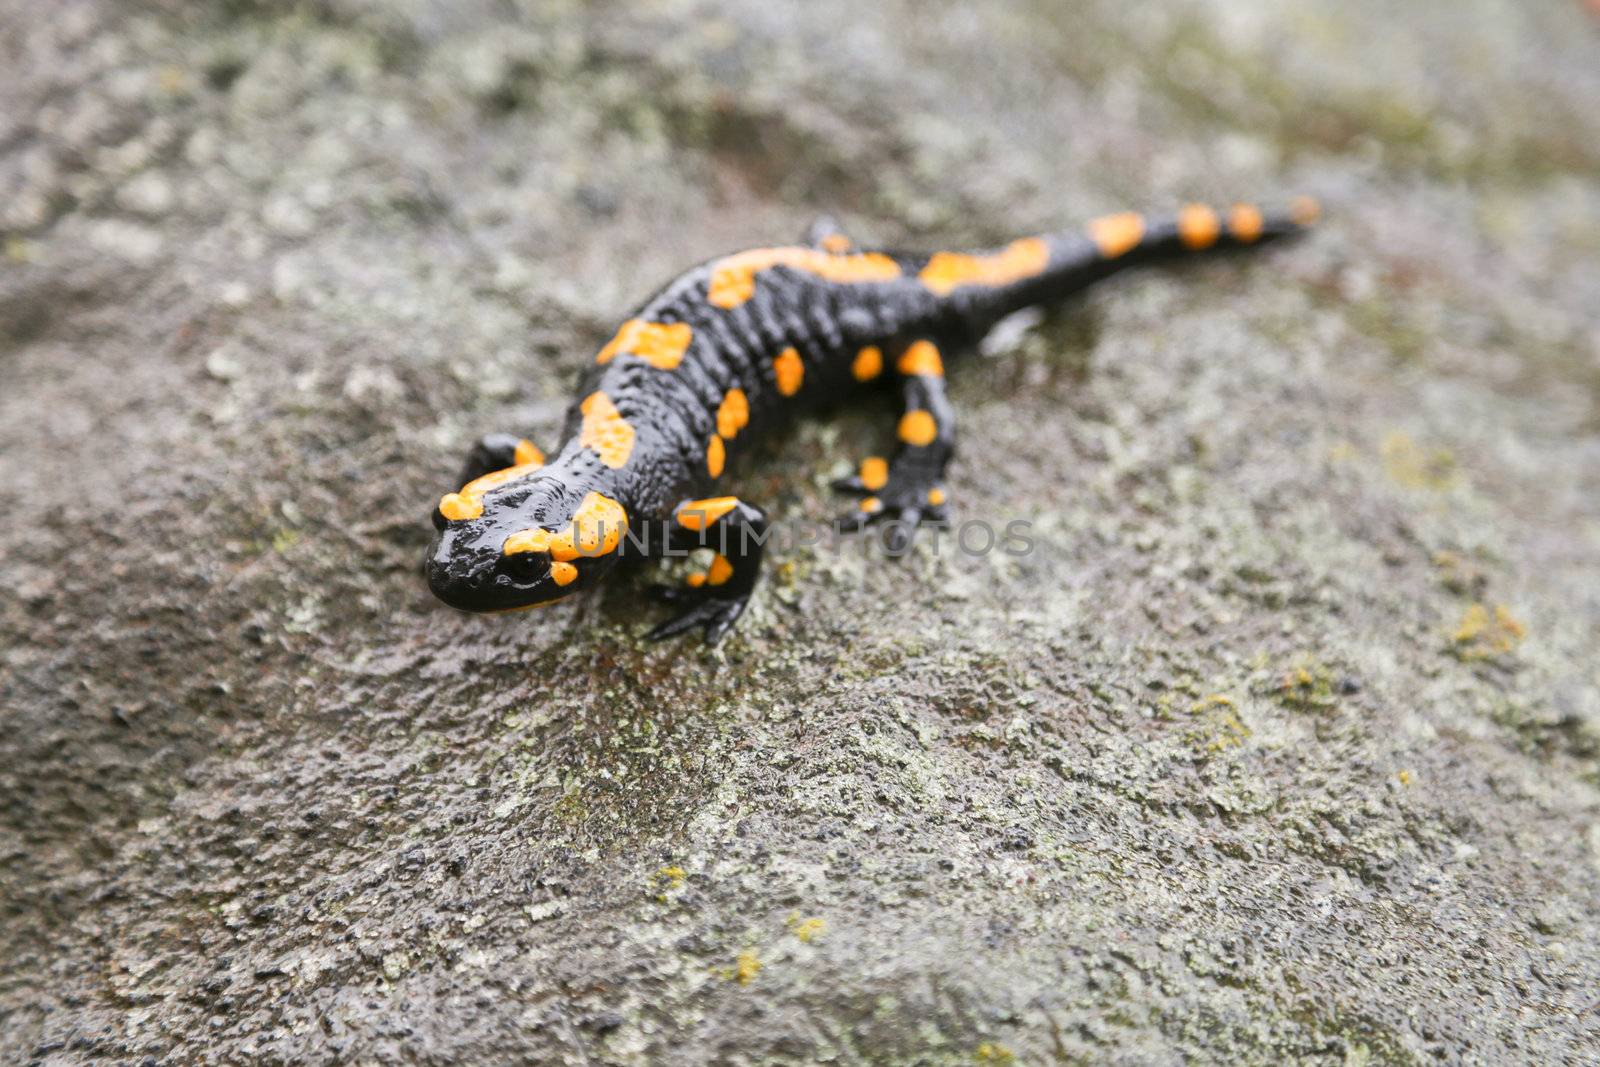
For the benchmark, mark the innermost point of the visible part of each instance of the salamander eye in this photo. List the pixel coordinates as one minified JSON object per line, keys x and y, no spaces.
{"x":439,"y":521}
{"x":526,"y":565}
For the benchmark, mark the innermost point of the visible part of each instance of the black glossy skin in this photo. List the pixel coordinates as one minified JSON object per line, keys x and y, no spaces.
{"x":673,"y":413}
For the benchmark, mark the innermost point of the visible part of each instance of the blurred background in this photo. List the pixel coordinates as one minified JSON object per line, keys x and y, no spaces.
{"x":1282,"y":748}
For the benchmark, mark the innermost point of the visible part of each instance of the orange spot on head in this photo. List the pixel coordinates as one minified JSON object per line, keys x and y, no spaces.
{"x":790,"y":370}
{"x":716,"y":456}
{"x":837,"y":243}
{"x":696,"y":580}
{"x":1244,"y":222}
{"x":563,"y":573}
{"x":1198,"y":226}
{"x":733,"y":278}
{"x":660,"y":344}
{"x":595,"y":530}
{"x":456,"y":507}
{"x":874,"y":472}
{"x":921,"y":357}
{"x":936,"y":497}
{"x":535,"y":540}
{"x":868,"y":364}
{"x":527,"y":454}
{"x":699,"y":514}
{"x":917,"y":428}
{"x":1024,"y":258}
{"x":871,"y":505}
{"x":1115,"y":235}
{"x":1305,"y":210}
{"x":721,"y":570}
{"x":733,"y":414}
{"x":468,"y":503}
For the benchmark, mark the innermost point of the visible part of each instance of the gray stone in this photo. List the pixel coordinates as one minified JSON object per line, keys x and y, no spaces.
{"x":1280,"y":747}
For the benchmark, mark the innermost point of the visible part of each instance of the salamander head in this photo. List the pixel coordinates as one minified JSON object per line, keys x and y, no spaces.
{"x":527,"y":537}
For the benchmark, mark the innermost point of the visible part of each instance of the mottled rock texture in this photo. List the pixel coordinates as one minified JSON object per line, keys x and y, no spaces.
{"x":1282,"y":746}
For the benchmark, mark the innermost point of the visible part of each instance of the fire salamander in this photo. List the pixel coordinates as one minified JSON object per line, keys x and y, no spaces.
{"x":736,"y":347}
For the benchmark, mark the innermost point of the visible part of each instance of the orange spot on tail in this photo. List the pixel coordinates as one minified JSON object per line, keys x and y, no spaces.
{"x":1117,"y":235}
{"x":1198,"y":226}
{"x":1245,"y":222}
{"x":1021,"y":259}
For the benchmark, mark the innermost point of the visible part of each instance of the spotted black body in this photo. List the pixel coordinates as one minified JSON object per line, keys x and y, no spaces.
{"x":736,"y":347}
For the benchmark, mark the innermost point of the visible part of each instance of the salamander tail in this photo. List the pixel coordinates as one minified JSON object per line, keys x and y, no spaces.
{"x":1036,"y":270}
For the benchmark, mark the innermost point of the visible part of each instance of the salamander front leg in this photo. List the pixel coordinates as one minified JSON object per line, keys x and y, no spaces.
{"x":715,"y":598}
{"x":909,"y":489}
{"x":495,"y":459}
{"x":495,"y":452}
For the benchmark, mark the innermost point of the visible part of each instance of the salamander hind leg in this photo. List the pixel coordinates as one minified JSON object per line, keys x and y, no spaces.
{"x":908,"y":489}
{"x":715,"y":598}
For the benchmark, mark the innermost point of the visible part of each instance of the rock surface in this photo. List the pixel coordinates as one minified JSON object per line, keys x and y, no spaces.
{"x":1283,"y":744}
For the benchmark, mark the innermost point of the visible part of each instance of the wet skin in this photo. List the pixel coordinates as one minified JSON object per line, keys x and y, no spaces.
{"x":737,"y":347}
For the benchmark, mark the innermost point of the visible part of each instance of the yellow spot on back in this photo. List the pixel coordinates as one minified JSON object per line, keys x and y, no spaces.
{"x":468,"y":503}
{"x":699,"y":514}
{"x":716,"y":456}
{"x":1305,"y":210}
{"x":936,"y":497}
{"x":921,"y":357}
{"x":733,"y":278}
{"x":605,"y":430}
{"x":1198,"y":226}
{"x":1115,"y":235}
{"x":918,"y":428}
{"x":790,"y":370}
{"x":1244,"y":222}
{"x":733,"y":414}
{"x":659,"y":344}
{"x":721,"y":570}
{"x":837,"y":243}
{"x":868,"y":364}
{"x":1023,"y":258}
{"x":874,"y":472}
{"x":595,"y":530}
{"x":563,"y":573}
